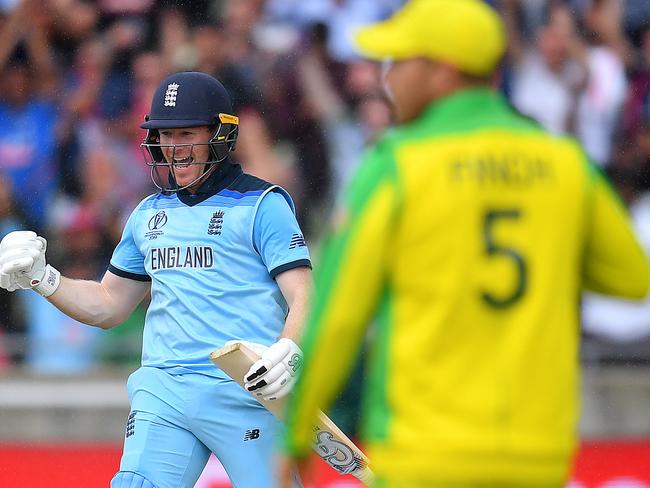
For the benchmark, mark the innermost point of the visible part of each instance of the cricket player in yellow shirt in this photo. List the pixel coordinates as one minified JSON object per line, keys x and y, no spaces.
{"x":466,"y":238}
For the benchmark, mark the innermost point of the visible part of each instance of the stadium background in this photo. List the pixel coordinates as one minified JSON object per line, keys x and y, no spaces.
{"x":77,"y":77}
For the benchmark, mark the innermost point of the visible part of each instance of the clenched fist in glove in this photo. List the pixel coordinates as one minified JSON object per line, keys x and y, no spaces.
{"x":275,"y":373}
{"x":22,"y":264}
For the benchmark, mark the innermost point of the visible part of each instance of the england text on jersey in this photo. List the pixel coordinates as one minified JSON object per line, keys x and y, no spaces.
{"x":181,"y":257}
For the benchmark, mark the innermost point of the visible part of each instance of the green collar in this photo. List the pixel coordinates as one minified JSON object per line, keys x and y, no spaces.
{"x":462,"y":103}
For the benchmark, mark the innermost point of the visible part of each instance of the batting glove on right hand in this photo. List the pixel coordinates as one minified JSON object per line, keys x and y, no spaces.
{"x":23,"y":266}
{"x":276,"y":372}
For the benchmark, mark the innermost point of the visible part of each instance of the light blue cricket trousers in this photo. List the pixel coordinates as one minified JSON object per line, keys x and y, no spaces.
{"x":177,"y":420}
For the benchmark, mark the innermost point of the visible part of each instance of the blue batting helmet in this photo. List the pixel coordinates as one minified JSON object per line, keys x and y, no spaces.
{"x":189,"y":99}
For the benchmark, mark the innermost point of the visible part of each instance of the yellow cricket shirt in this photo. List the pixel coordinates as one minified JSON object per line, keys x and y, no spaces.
{"x":466,"y":236}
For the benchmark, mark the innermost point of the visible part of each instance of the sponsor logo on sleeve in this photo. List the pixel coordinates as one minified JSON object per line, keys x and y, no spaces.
{"x":251,"y":435}
{"x":297,"y":240}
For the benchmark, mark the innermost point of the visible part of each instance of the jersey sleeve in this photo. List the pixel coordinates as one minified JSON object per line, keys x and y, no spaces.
{"x":615,"y":263}
{"x":277,"y":235}
{"x":127,"y":260}
{"x":349,"y":281}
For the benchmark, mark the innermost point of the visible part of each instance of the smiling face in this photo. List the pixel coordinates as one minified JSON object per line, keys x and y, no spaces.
{"x":177,"y":148}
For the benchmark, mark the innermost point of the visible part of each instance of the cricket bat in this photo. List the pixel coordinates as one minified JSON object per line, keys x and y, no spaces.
{"x":330,"y":443}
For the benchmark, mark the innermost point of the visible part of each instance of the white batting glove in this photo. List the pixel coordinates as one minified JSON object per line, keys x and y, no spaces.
{"x":9,"y":282}
{"x":23,"y":266}
{"x":276,"y":372}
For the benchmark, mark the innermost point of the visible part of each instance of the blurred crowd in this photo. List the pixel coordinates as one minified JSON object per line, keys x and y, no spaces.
{"x":78,"y":76}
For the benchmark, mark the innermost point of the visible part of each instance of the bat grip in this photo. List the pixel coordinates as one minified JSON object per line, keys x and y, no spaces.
{"x":366,"y":476}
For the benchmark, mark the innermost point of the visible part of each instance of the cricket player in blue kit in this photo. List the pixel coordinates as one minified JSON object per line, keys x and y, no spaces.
{"x":224,"y":259}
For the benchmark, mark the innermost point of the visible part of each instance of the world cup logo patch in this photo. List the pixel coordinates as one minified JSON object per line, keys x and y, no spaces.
{"x":154,"y":224}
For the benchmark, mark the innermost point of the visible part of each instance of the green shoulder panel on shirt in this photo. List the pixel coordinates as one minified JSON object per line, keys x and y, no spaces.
{"x":375,"y":407}
{"x":377,"y":167}
{"x":456,"y":114}
{"x":598,"y":176}
{"x":459,"y":114}
{"x":376,"y":170}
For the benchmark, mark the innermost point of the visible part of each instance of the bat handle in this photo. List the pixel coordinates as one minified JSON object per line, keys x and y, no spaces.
{"x":365,"y":475}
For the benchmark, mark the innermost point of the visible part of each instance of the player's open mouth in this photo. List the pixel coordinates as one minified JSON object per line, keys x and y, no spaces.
{"x":182,"y":163}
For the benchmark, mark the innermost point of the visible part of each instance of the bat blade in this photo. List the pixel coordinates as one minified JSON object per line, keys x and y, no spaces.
{"x":329,"y":442}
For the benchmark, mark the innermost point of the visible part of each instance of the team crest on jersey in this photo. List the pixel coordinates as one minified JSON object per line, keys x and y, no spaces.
{"x":155,"y":224}
{"x":216,"y":223}
{"x":171,"y":94}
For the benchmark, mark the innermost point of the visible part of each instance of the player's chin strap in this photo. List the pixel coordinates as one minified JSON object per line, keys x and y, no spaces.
{"x":48,"y":283}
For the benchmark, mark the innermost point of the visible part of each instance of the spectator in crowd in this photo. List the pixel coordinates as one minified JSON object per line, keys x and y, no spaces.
{"x":247,"y":92}
{"x":636,"y":18}
{"x":148,"y":68}
{"x":636,"y":104}
{"x":341,"y":18}
{"x":12,"y":320}
{"x":301,"y":77}
{"x":580,"y":71}
{"x":552,"y":65}
{"x":28,"y":111}
{"x":598,"y":110}
{"x":80,"y":86}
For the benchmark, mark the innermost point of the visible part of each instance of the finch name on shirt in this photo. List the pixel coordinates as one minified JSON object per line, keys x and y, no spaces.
{"x":505,"y":169}
{"x":181,"y":257}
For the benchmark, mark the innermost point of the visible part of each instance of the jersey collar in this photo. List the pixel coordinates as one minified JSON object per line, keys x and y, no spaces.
{"x":462,"y":104}
{"x":226,"y":173}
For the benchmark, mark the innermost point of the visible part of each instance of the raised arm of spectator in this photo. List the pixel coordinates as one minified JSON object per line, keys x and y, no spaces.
{"x":256,"y":153}
{"x":320,"y":94}
{"x":511,"y":12}
{"x":12,"y":31}
{"x":174,"y":37}
{"x":40,"y":52}
{"x":605,"y":17}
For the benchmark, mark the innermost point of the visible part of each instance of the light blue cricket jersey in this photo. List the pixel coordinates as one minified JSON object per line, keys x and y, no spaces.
{"x":211,"y":258}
